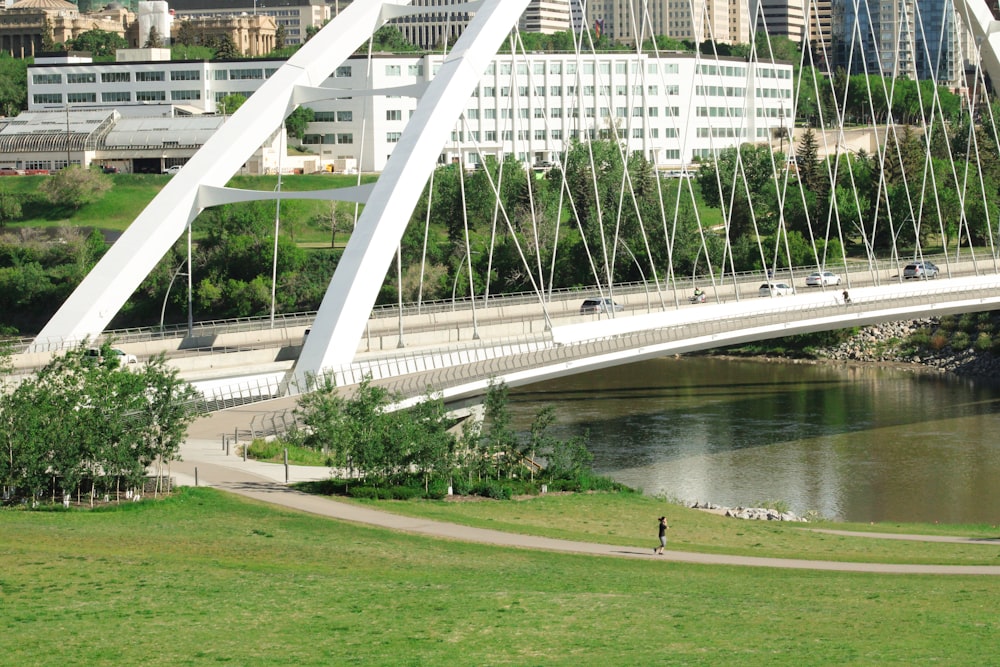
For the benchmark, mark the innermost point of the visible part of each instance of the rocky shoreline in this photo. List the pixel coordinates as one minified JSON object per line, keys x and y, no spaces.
{"x":883,"y":343}
{"x":749,"y":513}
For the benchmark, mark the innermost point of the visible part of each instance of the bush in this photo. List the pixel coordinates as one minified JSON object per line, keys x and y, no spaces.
{"x":984,"y":342}
{"x":960,"y":341}
{"x":492,"y":489}
{"x":939,"y":341}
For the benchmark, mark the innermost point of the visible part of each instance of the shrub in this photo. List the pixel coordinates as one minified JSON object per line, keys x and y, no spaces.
{"x":939,"y":341}
{"x":492,"y":489}
{"x":960,"y":340}
{"x":984,"y":342}
{"x":367,"y":492}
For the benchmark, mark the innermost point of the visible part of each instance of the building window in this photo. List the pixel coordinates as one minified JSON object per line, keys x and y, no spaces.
{"x":491,"y":135}
{"x":345,"y":138}
{"x":343,"y":72}
{"x":345,"y":116}
{"x":88,"y":77}
{"x":39,"y":79}
{"x":185,"y":75}
{"x":178,"y":95}
{"x":241,"y":74}
{"x":48,"y":98}
{"x":155,"y":76}
{"x":150,"y":96}
{"x":393,"y":70}
{"x":394,"y":114}
{"x":81,"y":98}
{"x":490,"y":113}
{"x":220,"y":75}
{"x":119,"y":96}
{"x":415,"y":70}
{"x":115,"y":77}
{"x":392,"y":137}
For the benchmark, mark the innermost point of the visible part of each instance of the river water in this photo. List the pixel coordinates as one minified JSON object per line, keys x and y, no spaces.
{"x":853,"y":443}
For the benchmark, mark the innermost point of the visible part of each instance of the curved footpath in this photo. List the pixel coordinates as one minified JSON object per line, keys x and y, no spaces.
{"x":205,"y":462}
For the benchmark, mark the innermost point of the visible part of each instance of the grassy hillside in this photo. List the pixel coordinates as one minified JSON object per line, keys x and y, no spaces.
{"x":132,"y":192}
{"x":205,"y":578}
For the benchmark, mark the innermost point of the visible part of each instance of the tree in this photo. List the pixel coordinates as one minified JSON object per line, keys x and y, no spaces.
{"x":73,"y":186}
{"x":186,"y":35}
{"x":153,"y":40}
{"x":230,"y":103}
{"x":86,"y":417}
{"x":98,"y":42}
{"x":10,"y":208}
{"x":279,"y":37}
{"x":13,"y":84}
{"x":225,"y":48}
{"x":297,"y":121}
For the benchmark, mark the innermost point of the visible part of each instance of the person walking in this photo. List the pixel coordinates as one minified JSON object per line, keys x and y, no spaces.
{"x":663,"y":536}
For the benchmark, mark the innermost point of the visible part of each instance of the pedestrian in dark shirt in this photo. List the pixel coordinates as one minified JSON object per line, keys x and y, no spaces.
{"x":663,"y":536}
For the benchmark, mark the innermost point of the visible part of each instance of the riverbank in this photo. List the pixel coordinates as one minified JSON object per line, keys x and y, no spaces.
{"x":890,"y":343}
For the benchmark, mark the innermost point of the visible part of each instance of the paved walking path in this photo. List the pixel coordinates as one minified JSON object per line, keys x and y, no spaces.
{"x":205,"y":458}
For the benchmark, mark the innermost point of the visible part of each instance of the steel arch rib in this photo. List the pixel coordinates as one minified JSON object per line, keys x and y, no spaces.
{"x":347,"y":303}
{"x":108,"y":286}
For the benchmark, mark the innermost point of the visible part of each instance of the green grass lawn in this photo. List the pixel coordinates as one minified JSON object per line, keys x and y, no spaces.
{"x":206,"y":578}
{"x":630,"y":519}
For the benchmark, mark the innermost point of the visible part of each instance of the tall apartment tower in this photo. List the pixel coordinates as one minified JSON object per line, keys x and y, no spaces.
{"x":725,"y":21}
{"x":902,"y":47}
{"x":546,"y":16}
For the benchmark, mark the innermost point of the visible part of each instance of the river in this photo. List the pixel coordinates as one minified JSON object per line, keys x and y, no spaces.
{"x":851,"y":443}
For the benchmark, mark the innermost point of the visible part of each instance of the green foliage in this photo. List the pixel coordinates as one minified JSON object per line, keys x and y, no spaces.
{"x":231,"y":103}
{"x":225,"y":48}
{"x":90,"y":424}
{"x":298,"y":120}
{"x":73,"y":187}
{"x":13,"y":84}
{"x":180,"y":51}
{"x":98,"y":42}
{"x":388,"y":39}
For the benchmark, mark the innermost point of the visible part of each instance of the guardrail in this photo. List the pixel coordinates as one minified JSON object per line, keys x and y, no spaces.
{"x":413,"y":373}
{"x":743,"y":285}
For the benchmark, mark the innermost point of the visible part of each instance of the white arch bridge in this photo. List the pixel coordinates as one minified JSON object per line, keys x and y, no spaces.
{"x":919,"y":203}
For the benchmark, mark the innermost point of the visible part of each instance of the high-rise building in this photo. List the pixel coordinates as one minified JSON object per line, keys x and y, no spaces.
{"x":546,"y":16}
{"x":915,"y":39}
{"x":724,"y":21}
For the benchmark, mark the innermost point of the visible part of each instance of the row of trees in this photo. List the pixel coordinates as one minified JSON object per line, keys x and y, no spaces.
{"x":87,"y":425}
{"x":380,"y":447}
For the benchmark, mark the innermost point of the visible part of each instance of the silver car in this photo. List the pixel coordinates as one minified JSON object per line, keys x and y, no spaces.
{"x":597,"y":305}
{"x":923,"y":270}
{"x":776,"y":289}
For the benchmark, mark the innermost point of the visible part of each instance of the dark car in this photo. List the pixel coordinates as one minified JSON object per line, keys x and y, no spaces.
{"x":108,"y":169}
{"x":922,"y":270}
{"x":598,"y":305}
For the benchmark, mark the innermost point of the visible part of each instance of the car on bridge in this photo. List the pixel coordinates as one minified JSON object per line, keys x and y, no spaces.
{"x":822,"y":279}
{"x":95,"y":356}
{"x":776,"y":289}
{"x":598,"y":305}
{"x":923,"y":270}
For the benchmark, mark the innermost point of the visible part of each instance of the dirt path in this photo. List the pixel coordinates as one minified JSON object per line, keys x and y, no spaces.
{"x":266,"y":482}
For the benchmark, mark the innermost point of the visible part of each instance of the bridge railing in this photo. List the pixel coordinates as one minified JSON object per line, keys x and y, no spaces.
{"x":418,"y":372}
{"x":207,"y":328}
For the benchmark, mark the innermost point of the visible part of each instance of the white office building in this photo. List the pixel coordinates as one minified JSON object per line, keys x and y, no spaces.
{"x":677,"y":109}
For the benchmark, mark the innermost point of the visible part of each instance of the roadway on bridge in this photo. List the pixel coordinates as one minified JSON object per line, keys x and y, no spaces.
{"x":208,"y":461}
